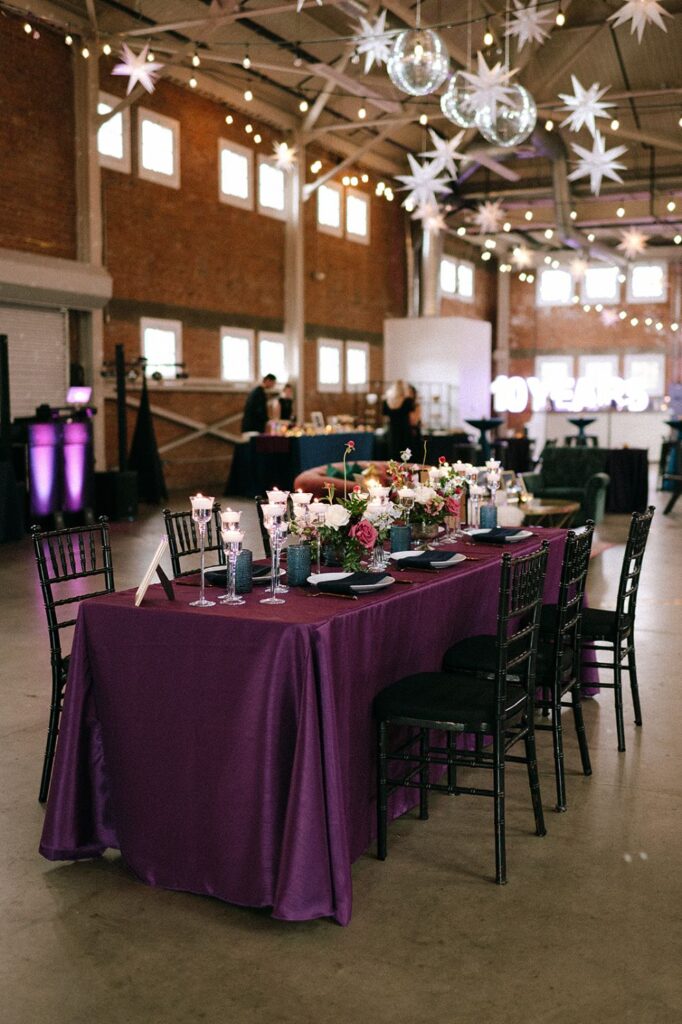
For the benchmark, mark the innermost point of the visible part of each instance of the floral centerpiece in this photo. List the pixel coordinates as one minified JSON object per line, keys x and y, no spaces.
{"x":347,"y":531}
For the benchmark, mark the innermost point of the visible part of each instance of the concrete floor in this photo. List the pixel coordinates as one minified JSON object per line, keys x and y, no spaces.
{"x":588,"y":929}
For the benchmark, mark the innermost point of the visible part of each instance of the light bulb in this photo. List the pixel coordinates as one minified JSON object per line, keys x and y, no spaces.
{"x":549,"y":125}
{"x":461,"y":231}
{"x":528,"y":215}
{"x":549,"y":233}
{"x":634,"y":321}
{"x":488,"y":38}
{"x":423,"y":119}
{"x":548,"y":260}
{"x":380,"y":187}
{"x":522,"y":276}
{"x":680,"y":122}
{"x":388,"y":192}
{"x":229,"y":119}
{"x":150,"y":56}
{"x":364,"y":178}
{"x":506,"y":226}
{"x":622,"y":315}
{"x":648,"y":321}
{"x":248,"y":128}
{"x":587,"y":308}
{"x":192,"y":82}
{"x":345,"y":180}
{"x":418,"y":52}
{"x":196,"y":61}
{"x":354,"y":180}
{"x":671,"y":206}
{"x":106,"y":49}
{"x":485,"y":255}
{"x":620,"y":212}
{"x":530,"y":278}
{"x":246,"y":63}
{"x":316,"y":167}
{"x":659,"y":326}
{"x":555,"y":264}
{"x":674,"y":327}
{"x":303,"y":106}
{"x":69,"y":41}
{"x":590,"y":237}
{"x":28,"y":28}
{"x":257,"y":138}
{"x":677,"y":239}
{"x":248,"y":95}
{"x":560,"y":19}
{"x":362,"y":114}
{"x":85,"y":53}
{"x":490,"y":243}
{"x":573,"y":215}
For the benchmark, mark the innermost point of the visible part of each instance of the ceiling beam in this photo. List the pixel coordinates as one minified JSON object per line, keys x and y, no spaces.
{"x":217,"y":20}
{"x":312,"y":186}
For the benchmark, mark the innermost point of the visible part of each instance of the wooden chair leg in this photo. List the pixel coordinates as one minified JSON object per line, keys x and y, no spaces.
{"x":498,"y":791}
{"x":580,"y":729}
{"x":634,"y":687}
{"x":382,"y":802}
{"x":423,"y":775}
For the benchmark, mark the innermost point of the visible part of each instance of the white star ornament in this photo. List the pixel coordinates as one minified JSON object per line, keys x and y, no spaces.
{"x":488,"y":217}
{"x":584,"y":106}
{"x":422,"y":185}
{"x":137,"y":68}
{"x":490,"y":85}
{"x":597,"y":163}
{"x":528,"y":24}
{"x":373,"y":41}
{"x":633,"y":243}
{"x":445,"y":152}
{"x":641,"y":13}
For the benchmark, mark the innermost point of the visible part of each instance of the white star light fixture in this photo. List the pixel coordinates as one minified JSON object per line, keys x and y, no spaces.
{"x":488,"y":217}
{"x":528,"y":24}
{"x":609,"y":317}
{"x":522,"y":257}
{"x":633,"y":243}
{"x":373,"y":41}
{"x":285,"y":156}
{"x":299,"y":5}
{"x":489,"y":86}
{"x":641,"y":13}
{"x":445,"y":152}
{"x":432,"y":217}
{"x":598,"y":163}
{"x":423,"y":185}
{"x":584,"y":106}
{"x":137,"y":68}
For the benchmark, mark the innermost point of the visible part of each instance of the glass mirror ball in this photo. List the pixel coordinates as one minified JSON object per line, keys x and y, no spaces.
{"x":456,"y":102}
{"x":513,"y":121}
{"x":419,"y":63}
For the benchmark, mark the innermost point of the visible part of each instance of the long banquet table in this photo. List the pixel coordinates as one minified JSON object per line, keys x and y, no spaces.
{"x":230,"y":752}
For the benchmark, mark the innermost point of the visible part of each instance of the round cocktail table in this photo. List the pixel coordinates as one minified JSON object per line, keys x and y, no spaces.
{"x":549,"y":513}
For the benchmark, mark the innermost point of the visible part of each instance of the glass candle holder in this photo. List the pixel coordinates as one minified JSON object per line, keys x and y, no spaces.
{"x":401,"y":538}
{"x":243,"y":583}
{"x":299,"y":559}
{"x":202,"y":510}
{"x":232,"y":539}
{"x":272,"y":517}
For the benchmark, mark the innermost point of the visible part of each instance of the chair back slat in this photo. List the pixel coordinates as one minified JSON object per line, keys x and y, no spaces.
{"x":265,"y":536}
{"x":183,"y":537}
{"x":521,"y":587}
{"x":635,"y":547}
{"x":566,"y":643}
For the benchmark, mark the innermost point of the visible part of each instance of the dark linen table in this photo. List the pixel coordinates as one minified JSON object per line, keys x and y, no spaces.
{"x":230,"y":752}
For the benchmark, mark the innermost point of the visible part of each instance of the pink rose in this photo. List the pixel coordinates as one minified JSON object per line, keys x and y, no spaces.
{"x":364,"y":533}
{"x":452,"y":506}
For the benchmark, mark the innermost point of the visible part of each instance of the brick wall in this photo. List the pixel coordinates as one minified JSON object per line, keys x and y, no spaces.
{"x":37,"y":187}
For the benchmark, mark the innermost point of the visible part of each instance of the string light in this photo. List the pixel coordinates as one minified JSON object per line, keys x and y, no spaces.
{"x":677,"y":239}
{"x":620,"y":212}
{"x":549,"y":233}
{"x":192,"y":82}
{"x":587,"y":308}
{"x":648,"y":321}
{"x":246,"y":63}
{"x":659,"y":326}
{"x":573,"y":215}
{"x":229,"y":119}
{"x":622,"y":315}
{"x":28,"y":28}
{"x":423,"y":119}
{"x":316,"y":167}
{"x":621,"y":279}
{"x":461,"y":231}
{"x":85,"y":53}
{"x":257,"y":138}
{"x":354,"y":180}
{"x":150,"y":56}
{"x":362,"y":114}
{"x":522,"y":276}
{"x":671,"y":206}
{"x":486,"y":255}
{"x":106,"y":49}
{"x":490,"y":243}
{"x":615,"y":124}
{"x":560,"y":19}
{"x":575,"y":300}
{"x":68,"y":39}
{"x":555,"y":264}
{"x":196,"y":60}
{"x":248,"y":95}
{"x":380,"y":187}
{"x":364,"y":178}
{"x":634,"y":321}
{"x":528,"y":215}
{"x":506,"y":226}
{"x":680,"y":122}
{"x":530,"y":278}
{"x":590,"y":237}
{"x":303,"y":106}
{"x":248,"y":128}
{"x":674,"y":327}
{"x":488,"y":37}
{"x":345,"y":180}
{"x":388,"y":192}
{"x":548,"y":260}
{"x":549,"y":125}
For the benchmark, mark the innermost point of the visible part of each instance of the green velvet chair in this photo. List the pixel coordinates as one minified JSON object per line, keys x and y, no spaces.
{"x":573,"y":474}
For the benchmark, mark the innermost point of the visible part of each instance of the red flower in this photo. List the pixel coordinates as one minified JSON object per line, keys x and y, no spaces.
{"x":356,"y":489}
{"x":441,"y":460}
{"x":364,"y":533}
{"x":350,"y":446}
{"x":452,"y":505}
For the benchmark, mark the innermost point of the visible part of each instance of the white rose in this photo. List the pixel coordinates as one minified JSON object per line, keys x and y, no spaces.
{"x":336,"y":516}
{"x":424,"y":494}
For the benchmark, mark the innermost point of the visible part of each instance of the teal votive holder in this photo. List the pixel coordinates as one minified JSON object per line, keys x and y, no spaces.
{"x":401,"y":538}
{"x":298,"y":564}
{"x":243,"y":573}
{"x":488,"y":516}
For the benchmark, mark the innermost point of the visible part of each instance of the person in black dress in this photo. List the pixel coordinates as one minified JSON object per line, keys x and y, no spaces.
{"x":286,"y":403}
{"x":255,"y":415}
{"x":398,"y":406}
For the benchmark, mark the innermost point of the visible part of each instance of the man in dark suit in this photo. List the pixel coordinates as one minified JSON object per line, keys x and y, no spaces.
{"x":255,"y":415}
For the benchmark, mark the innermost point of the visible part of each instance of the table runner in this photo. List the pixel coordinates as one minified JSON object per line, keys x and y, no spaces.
{"x":230,"y":752}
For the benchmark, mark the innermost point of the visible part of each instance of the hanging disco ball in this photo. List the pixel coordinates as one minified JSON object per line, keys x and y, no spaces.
{"x":514,"y":119}
{"x":419,"y":62}
{"x":456,"y":102}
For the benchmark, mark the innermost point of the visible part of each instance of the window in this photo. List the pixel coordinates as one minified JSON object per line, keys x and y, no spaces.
{"x":555,"y":288}
{"x":329,"y":365}
{"x":465,"y":280}
{"x":598,"y":367}
{"x":236,"y":174}
{"x":357,"y":216}
{"x":161,"y":346}
{"x":113,"y":137}
{"x":600,"y":284}
{"x":648,"y":370}
{"x":456,"y":277}
{"x":329,"y":198}
{"x":236,"y":355}
{"x":159,"y":142}
{"x":647,"y":281}
{"x":553,"y":370}
{"x":357,"y":366}
{"x":448,"y":276}
{"x":272,"y":352}
{"x":271,"y":190}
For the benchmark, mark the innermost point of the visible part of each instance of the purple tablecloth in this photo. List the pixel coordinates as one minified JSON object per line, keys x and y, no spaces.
{"x":229,"y":752}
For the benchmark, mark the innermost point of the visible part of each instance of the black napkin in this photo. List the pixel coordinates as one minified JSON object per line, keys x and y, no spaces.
{"x":424,"y":559}
{"x":498,"y":535}
{"x":356,"y":579}
{"x":217,"y":577}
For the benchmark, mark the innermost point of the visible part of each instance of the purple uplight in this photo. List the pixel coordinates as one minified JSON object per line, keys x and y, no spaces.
{"x":76,"y":440}
{"x":42,"y":467}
